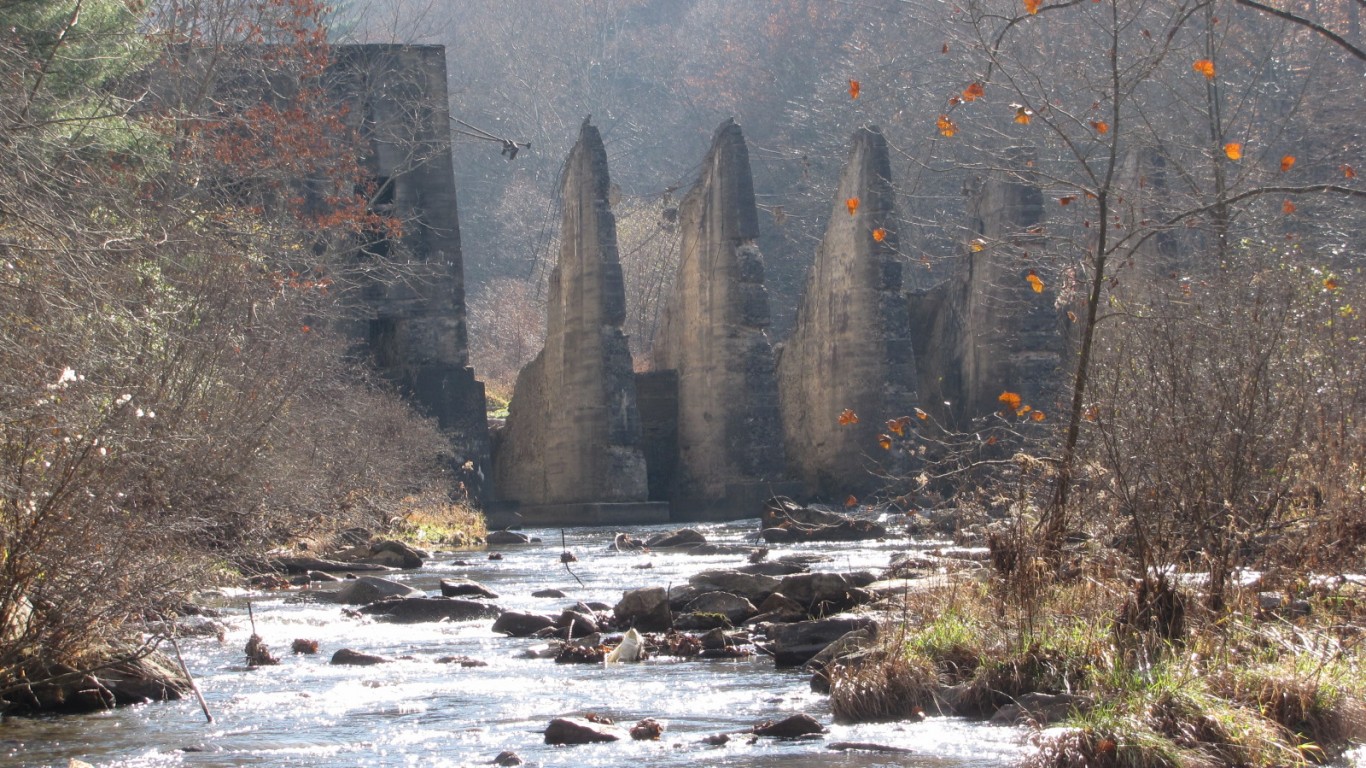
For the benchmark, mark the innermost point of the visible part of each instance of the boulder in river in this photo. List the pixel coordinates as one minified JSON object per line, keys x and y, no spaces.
{"x":127,"y":679}
{"x":413,"y":610}
{"x":683,"y":537}
{"x":582,"y":730}
{"x":783,"y":520}
{"x":507,"y":537}
{"x":646,"y":609}
{"x":780,"y":608}
{"x":518,"y":624}
{"x":792,"y":645}
{"x":793,"y":727}
{"x":735,"y":608}
{"x":466,"y":588}
{"x":350,"y":658}
{"x":752,"y":587}
{"x":368,"y":589}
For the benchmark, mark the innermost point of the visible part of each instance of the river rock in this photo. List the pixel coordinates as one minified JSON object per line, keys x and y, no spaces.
{"x":507,"y":758}
{"x":751,"y":586}
{"x":792,"y":645}
{"x":517,"y":624}
{"x":396,"y":554}
{"x":683,"y":537}
{"x":368,"y":589}
{"x":413,"y":610}
{"x":465,"y":588}
{"x":462,"y":661}
{"x":547,"y":593}
{"x":581,"y":730}
{"x":773,"y":568}
{"x":701,"y":621}
{"x":62,"y":689}
{"x":793,"y":727}
{"x":507,"y":537}
{"x":850,"y":650}
{"x":577,"y":623}
{"x":735,"y":608}
{"x":350,"y":658}
{"x":648,"y":729}
{"x":778,"y":607}
{"x":645,"y":609}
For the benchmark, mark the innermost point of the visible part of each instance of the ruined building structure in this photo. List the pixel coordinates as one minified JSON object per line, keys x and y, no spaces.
{"x":415,"y":326}
{"x":571,"y":448}
{"x":713,"y":344}
{"x":851,"y":348}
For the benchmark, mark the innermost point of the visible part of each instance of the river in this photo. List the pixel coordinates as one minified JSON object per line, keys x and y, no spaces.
{"x":417,"y":712}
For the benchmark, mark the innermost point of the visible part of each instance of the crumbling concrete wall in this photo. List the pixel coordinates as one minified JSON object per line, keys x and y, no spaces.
{"x":851,"y":347}
{"x":415,"y":326}
{"x":987,"y":330}
{"x":714,"y":335}
{"x":573,"y":433}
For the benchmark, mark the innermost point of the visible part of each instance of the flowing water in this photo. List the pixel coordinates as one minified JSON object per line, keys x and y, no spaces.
{"x":417,"y":712}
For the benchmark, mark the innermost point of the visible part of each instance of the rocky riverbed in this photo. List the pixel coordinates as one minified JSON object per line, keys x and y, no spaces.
{"x":463,"y":679}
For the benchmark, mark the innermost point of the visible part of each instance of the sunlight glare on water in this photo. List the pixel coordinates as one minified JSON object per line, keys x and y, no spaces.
{"x":416,"y":712}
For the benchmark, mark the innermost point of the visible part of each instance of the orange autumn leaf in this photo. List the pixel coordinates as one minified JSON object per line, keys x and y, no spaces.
{"x":885,"y":441}
{"x":1033,"y":6}
{"x":944,"y":48}
{"x":1038,"y":416}
{"x":1101,"y":126}
{"x":850,"y":502}
{"x":991,"y":440}
{"x":1071,"y":316}
{"x":848,"y":417}
{"x":853,"y":89}
{"x":852,"y":205}
{"x":1011,"y":400}
{"x":1067,"y":200}
{"x":1234,"y":150}
{"x":1204,"y":67}
{"x":977,"y":245}
{"x":919,"y":414}
{"x":1287,"y":163}
{"x":1022,"y":115}
{"x":1348,"y":171}
{"x":1092,"y":413}
{"x":974,"y":92}
{"x":1024,"y":409}
{"x":899,"y":426}
{"x":305,"y":329}
{"x":946,"y":126}
{"x":1034,"y":281}
{"x":1287,"y":207}
{"x":1329,"y":284}
{"x":879,"y":234}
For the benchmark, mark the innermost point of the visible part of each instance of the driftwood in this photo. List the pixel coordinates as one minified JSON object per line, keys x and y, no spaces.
{"x":784,"y":520}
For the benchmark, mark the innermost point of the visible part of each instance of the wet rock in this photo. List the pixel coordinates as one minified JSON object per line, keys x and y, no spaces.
{"x":304,"y":646}
{"x":648,"y":729}
{"x":321,"y":577}
{"x":122,"y":681}
{"x":812,"y":589}
{"x":466,"y":588}
{"x":864,"y":746}
{"x":577,"y":623}
{"x":792,"y":645}
{"x":773,"y":568}
{"x":368,"y":589}
{"x":646,"y":609}
{"x":778,"y":607}
{"x":348,"y":657}
{"x":517,"y":624}
{"x":683,"y":537}
{"x":581,"y":730}
{"x":793,"y":727}
{"x":462,"y":661}
{"x":851,"y":650}
{"x":395,"y":554}
{"x":507,"y":758}
{"x":412,"y":610}
{"x":735,"y":608}
{"x":1040,"y":708}
{"x":752,"y":587}
{"x":507,"y":537}
{"x":702,"y":621}
{"x":717,"y":739}
{"x":850,"y":529}
{"x":547,"y":593}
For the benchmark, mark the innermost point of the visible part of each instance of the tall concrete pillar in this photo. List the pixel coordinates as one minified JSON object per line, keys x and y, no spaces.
{"x":851,"y":347}
{"x":571,"y":446}
{"x":730,"y":452}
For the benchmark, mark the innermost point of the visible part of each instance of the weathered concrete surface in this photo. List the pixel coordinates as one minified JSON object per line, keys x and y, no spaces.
{"x":987,"y":331}
{"x":714,"y":336}
{"x":573,"y":432}
{"x":415,"y":327}
{"x":851,"y":347}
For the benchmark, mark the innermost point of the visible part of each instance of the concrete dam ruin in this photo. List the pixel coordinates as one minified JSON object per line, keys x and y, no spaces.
{"x":724,"y":416}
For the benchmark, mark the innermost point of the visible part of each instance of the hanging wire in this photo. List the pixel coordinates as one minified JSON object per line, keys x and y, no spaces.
{"x":510,"y":147}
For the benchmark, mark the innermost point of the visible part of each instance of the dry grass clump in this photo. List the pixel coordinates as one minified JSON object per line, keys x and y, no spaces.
{"x":431,"y":519}
{"x":897,"y":687}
